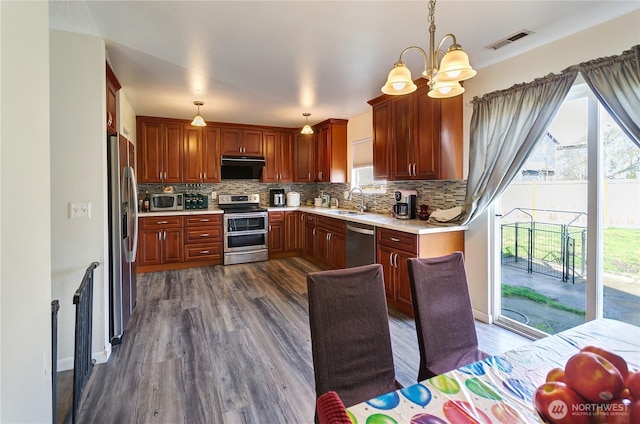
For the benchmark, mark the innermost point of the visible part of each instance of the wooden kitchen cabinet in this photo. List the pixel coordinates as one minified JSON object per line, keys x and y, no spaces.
{"x":310,"y":241}
{"x":278,"y":157}
{"x":331,"y":235}
{"x":201,"y":151}
{"x":203,"y":237}
{"x":416,"y":137}
{"x":292,"y":231}
{"x":303,"y":158}
{"x":276,"y":233}
{"x":331,"y":151}
{"x":113,"y":86}
{"x":160,"y":240}
{"x":393,"y":250}
{"x":160,"y":151}
{"x":241,"y":141}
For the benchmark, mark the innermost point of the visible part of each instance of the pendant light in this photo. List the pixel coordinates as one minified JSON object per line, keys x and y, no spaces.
{"x":198,"y":121}
{"x":306,"y":129}
{"x":444,"y":77}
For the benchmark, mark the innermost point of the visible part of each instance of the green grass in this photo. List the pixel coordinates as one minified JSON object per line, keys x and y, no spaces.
{"x":622,"y":251}
{"x":527,"y":293}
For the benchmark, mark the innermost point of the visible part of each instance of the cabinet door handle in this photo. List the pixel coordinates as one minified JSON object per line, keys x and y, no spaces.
{"x":204,"y":174}
{"x":204,"y":235}
{"x":314,"y":232}
{"x":394,"y":239}
{"x":301,"y":217}
{"x":391,"y":260}
{"x":309,"y":176}
{"x":415,"y":173}
{"x":204,"y":220}
{"x":164,"y":235}
{"x":203,"y":252}
{"x":269,"y":227}
{"x":162,"y":222}
{"x":395,"y":260}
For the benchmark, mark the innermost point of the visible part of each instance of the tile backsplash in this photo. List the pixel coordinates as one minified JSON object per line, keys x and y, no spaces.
{"x":437,"y":194}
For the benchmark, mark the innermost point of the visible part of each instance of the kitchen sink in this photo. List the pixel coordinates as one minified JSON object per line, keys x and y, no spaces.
{"x":349,"y":213}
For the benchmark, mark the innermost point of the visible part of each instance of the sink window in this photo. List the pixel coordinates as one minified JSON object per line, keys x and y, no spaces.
{"x":362,"y":168}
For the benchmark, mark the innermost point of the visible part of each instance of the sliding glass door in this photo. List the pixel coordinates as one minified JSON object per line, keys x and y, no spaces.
{"x":569,"y":225}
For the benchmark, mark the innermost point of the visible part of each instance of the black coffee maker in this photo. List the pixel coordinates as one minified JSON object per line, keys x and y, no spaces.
{"x":276,"y":197}
{"x":406,"y":203}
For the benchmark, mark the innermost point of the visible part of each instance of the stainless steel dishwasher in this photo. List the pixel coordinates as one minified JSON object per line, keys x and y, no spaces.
{"x":361,"y":244}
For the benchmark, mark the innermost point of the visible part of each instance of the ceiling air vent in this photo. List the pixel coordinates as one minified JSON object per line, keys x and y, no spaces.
{"x":510,"y":39}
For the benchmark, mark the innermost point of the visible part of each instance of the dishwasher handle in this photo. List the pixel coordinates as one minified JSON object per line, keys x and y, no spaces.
{"x":360,"y":230}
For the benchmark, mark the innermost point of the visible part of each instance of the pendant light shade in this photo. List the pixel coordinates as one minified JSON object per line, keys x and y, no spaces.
{"x":307,"y":128}
{"x":455,"y":66}
{"x":198,"y":121}
{"x":444,"y":89}
{"x":399,"y":80}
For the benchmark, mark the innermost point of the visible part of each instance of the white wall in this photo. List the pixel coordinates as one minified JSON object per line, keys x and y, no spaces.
{"x":25,"y":244}
{"x":78,"y":173}
{"x":608,"y":39}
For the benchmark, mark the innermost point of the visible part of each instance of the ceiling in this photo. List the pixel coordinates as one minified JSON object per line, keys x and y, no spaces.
{"x":267,"y":62}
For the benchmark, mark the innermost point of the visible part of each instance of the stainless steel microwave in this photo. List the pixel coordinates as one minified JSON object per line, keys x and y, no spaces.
{"x":167,"y":202}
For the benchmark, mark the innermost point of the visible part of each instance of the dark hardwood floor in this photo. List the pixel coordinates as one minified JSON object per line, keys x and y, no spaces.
{"x":229,"y":344}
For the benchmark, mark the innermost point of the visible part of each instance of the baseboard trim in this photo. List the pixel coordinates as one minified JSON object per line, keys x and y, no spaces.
{"x":101,"y":357}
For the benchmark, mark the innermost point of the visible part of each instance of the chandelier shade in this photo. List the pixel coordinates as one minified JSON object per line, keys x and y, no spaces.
{"x":306,"y":130}
{"x":444,"y":77}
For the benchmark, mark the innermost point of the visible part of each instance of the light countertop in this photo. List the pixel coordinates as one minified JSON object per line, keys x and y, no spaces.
{"x":413,"y":226}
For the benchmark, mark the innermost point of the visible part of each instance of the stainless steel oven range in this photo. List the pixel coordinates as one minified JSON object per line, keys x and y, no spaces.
{"x":245,"y":228}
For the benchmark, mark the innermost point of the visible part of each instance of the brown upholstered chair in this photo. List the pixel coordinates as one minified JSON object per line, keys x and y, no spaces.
{"x":331,"y":410}
{"x":350,"y":339}
{"x":444,"y":317}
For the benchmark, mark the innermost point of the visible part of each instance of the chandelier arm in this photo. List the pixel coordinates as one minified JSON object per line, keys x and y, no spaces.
{"x":442,"y":40}
{"x":427,"y":61}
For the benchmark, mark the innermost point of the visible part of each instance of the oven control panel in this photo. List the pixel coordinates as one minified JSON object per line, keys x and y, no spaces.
{"x":238,"y":199}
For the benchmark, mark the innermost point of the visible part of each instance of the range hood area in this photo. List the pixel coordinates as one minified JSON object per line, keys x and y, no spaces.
{"x":241,"y":167}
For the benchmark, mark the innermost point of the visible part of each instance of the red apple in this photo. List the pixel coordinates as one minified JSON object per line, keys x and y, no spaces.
{"x":616,"y":360}
{"x":593,"y":377}
{"x":633,"y":384}
{"x":556,"y":374}
{"x":635,"y":412}
{"x":555,"y":401}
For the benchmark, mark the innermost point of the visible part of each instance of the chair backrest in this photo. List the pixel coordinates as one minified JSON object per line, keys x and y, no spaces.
{"x":442,"y":308}
{"x":350,"y":338}
{"x":331,"y":410}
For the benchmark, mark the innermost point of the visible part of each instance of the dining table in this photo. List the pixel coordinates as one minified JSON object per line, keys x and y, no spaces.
{"x":498,"y":389}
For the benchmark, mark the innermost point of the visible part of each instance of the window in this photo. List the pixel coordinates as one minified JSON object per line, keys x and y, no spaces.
{"x":570,"y":229}
{"x":362,"y":168}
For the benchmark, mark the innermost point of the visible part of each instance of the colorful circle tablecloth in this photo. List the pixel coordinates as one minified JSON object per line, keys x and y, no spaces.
{"x":498,"y":389}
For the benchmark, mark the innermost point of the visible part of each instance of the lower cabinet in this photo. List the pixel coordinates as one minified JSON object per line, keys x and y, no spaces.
{"x":332,"y":242}
{"x":276,"y":233}
{"x":203,"y":237}
{"x":170,"y":242}
{"x":394,"y":248}
{"x":325,"y":241}
{"x":292,"y":231}
{"x":159,"y":241}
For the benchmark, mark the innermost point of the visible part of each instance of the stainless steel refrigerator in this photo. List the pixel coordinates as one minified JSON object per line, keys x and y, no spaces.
{"x":123,"y":234}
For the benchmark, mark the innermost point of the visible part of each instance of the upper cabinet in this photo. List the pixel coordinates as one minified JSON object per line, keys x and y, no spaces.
{"x":160,"y":151}
{"x":112,"y":91}
{"x":241,"y":141}
{"x":278,"y":156}
{"x":331,"y":151}
{"x":303,"y":154}
{"x":414,"y":140}
{"x":201,"y":151}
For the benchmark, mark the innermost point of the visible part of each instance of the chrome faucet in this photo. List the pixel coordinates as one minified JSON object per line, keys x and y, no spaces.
{"x":362,"y":195}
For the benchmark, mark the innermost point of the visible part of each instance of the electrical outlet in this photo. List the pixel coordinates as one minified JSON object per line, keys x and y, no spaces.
{"x":214,"y":194}
{"x":79,"y":210}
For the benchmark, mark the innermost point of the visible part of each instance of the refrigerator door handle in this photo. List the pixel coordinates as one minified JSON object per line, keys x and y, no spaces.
{"x":130,"y":178}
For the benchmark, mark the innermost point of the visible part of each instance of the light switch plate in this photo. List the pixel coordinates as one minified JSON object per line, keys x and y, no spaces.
{"x":79,"y":210}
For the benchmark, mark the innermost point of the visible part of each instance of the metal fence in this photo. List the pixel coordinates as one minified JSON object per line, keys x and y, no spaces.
{"x":549,"y":248}
{"x":82,"y":362}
